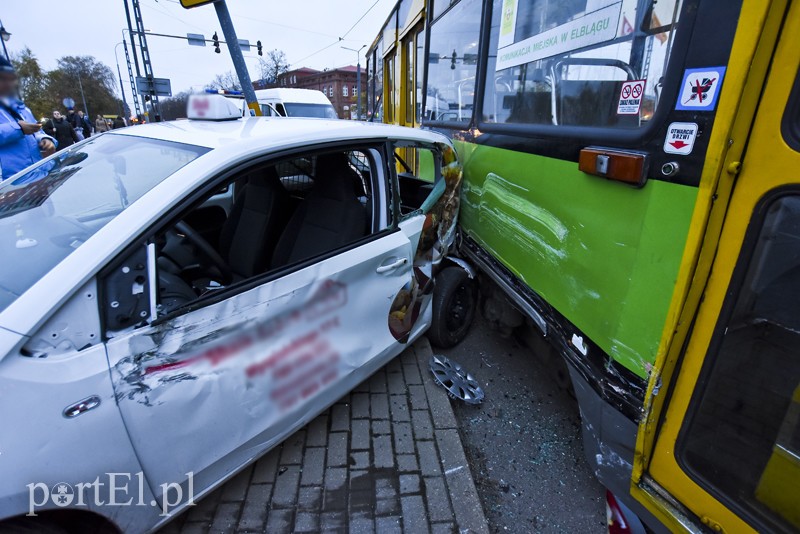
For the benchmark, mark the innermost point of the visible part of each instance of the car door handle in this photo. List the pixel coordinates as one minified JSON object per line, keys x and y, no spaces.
{"x":89,"y":403}
{"x":385,"y":267}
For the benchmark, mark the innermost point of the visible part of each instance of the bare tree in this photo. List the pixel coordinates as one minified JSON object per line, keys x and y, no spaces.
{"x":227,"y":81}
{"x":272,"y":66}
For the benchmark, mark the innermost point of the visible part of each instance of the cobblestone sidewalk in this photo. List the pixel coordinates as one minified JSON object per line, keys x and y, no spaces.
{"x":385,"y":458}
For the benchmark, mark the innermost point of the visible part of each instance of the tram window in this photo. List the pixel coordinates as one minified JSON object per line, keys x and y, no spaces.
{"x":742,"y":437}
{"x":420,"y":39}
{"x":565,"y":63}
{"x":452,"y":63}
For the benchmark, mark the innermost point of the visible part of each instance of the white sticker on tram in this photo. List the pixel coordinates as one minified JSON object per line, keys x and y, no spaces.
{"x":593,"y":28}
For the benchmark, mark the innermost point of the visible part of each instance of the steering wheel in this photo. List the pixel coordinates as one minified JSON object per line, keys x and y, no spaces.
{"x":205,"y":248}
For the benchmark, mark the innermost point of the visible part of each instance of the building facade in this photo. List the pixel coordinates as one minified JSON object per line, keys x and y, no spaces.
{"x":339,"y":85}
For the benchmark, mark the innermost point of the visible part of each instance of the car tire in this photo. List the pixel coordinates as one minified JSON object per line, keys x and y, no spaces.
{"x":455,"y":297}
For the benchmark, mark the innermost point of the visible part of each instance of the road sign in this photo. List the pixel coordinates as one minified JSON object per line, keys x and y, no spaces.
{"x":244,"y":44}
{"x":189,"y":4}
{"x":196,"y":39}
{"x":68,"y":103}
{"x":159,"y":86}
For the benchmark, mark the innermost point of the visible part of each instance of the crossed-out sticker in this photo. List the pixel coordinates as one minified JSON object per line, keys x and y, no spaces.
{"x":700,"y":89}
{"x":630,"y":97}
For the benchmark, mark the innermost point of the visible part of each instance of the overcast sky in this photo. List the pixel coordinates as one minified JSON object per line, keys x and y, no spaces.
{"x":301,"y":28}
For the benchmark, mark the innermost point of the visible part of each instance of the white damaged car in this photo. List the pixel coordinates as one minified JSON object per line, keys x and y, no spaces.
{"x":178,"y":298}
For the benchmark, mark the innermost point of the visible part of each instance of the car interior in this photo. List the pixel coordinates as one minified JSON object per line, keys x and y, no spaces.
{"x":279,"y":214}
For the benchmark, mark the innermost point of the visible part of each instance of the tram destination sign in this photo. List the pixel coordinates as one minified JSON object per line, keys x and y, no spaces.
{"x":593,"y":28}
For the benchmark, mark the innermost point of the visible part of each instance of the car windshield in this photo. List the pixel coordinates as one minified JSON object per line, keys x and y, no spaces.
{"x":51,"y":209}
{"x":319,"y":111}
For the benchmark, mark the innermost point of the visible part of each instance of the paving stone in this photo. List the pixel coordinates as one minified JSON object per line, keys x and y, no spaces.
{"x":414,"y":517}
{"x":361,"y":525}
{"x":389,"y":506}
{"x":399,"y":406}
{"x":388,"y":525}
{"x":382,"y":451}
{"x":333,"y":521}
{"x":428,"y":458}
{"x":225,"y":517}
{"x":381,"y":427}
{"x":409,"y":484}
{"x":377,"y":382}
{"x":360,"y":503}
{"x":396,"y":383}
{"x":306,"y":522}
{"x":409,"y":357}
{"x":279,"y":520}
{"x":419,"y":400}
{"x":254,"y":514}
{"x":266,"y":468}
{"x":192,"y":528}
{"x":340,"y":418}
{"x":360,"y":480}
{"x":438,"y":499}
{"x":462,"y":490}
{"x":236,"y":488}
{"x":293,"y":448}
{"x":411,"y":373}
{"x":359,"y":406}
{"x":443,"y":528}
{"x":423,"y":428}
{"x":318,"y":431}
{"x":407,"y":462}
{"x":285,"y":490}
{"x":359,"y":460}
{"x":313,"y":466}
{"x":359,"y":435}
{"x":379,"y":406}
{"x":394,"y":366}
{"x":403,"y":438}
{"x":335,"y":496}
{"x":309,"y":499}
{"x":385,"y":487}
{"x":337,"y":449}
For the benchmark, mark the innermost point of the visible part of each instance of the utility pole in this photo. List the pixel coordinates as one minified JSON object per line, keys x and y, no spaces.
{"x":146,"y":64}
{"x":121,"y":86}
{"x":135,"y":58}
{"x":358,"y":78}
{"x":232,"y":42}
{"x":83,"y":97}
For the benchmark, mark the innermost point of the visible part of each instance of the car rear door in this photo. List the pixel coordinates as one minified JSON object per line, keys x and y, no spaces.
{"x":206,"y":391}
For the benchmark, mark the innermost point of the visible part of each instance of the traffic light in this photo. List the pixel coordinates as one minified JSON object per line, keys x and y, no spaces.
{"x":215,"y":40}
{"x":260,"y":51}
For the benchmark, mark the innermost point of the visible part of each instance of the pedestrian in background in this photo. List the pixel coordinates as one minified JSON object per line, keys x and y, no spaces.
{"x":85,"y":125}
{"x":21,"y":141}
{"x":100,"y":124}
{"x":119,"y":122}
{"x":60,"y":128}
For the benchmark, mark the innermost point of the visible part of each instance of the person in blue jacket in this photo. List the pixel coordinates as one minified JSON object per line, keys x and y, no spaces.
{"x":21,"y":141}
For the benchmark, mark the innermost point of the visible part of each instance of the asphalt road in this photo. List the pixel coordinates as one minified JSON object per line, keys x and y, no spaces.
{"x":524,"y":441}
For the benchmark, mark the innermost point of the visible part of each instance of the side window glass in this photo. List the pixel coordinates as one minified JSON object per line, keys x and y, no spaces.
{"x":417,"y":168}
{"x":452,"y":63}
{"x":577,"y":62}
{"x":742,"y":437}
{"x":278,"y":214}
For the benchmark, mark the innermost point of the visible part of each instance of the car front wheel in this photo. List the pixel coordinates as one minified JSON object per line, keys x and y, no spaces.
{"x":455,"y":296}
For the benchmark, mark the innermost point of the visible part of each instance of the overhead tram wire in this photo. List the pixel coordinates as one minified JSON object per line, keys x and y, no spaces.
{"x":340,"y":39}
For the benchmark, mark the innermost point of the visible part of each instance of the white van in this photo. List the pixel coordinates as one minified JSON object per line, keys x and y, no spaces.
{"x":296,"y":103}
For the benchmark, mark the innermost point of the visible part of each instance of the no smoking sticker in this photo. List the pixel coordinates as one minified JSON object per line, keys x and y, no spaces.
{"x":700,"y":89}
{"x":630,"y":97}
{"x":680,"y":138}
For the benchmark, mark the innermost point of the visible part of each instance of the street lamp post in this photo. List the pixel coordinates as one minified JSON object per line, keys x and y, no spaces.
{"x":121,"y":86}
{"x":358,"y":77}
{"x":4,"y":36}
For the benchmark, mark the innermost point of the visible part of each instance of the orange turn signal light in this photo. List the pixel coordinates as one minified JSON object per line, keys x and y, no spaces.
{"x":621,"y":165}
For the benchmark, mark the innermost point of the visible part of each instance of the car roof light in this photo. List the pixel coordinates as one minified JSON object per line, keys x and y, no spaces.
{"x":210,"y":107}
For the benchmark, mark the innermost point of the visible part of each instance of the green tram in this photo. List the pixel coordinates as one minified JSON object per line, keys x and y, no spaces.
{"x":626,"y":165}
